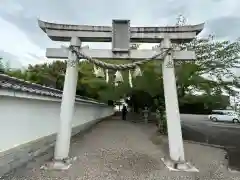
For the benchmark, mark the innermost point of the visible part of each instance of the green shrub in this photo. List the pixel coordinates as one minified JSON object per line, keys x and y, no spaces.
{"x":162,"y":122}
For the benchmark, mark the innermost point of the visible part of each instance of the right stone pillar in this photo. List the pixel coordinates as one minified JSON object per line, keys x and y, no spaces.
{"x":175,"y":140}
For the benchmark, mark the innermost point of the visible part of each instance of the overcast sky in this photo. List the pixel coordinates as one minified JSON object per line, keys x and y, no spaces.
{"x":22,"y":40}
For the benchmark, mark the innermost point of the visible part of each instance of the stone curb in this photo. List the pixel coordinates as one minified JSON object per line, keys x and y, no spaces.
{"x":206,"y":144}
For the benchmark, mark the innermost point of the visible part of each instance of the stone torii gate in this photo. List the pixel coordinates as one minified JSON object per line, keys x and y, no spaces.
{"x":121,"y":35}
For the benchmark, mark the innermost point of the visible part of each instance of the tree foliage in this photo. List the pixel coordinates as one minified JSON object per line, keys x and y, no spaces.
{"x":211,"y":73}
{"x":1,"y":65}
{"x":4,"y":65}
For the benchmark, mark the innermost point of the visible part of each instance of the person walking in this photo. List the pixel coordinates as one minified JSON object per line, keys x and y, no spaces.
{"x":124,"y":112}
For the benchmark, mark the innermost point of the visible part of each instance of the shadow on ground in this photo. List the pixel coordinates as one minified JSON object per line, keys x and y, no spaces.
{"x":227,"y":138}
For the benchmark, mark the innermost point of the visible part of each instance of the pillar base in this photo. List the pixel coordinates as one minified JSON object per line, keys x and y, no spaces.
{"x":179,"y":166}
{"x":57,"y":165}
{"x":233,"y":171}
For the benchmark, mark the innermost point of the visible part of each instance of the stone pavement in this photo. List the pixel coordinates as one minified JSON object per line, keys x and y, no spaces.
{"x":122,"y":150}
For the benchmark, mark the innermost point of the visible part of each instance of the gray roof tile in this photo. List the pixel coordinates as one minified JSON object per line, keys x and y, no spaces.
{"x":8,"y":82}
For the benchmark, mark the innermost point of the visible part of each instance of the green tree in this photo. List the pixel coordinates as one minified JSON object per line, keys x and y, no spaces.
{"x":214,"y":59}
{"x":1,"y":65}
{"x":212,"y":70}
{"x":211,"y":73}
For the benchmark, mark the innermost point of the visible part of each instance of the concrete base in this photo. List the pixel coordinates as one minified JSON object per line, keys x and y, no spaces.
{"x":57,"y":165}
{"x":233,"y":171}
{"x":179,"y":166}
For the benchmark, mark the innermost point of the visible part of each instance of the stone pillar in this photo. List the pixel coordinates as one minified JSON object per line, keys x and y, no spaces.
{"x":172,"y":110}
{"x":67,"y":105}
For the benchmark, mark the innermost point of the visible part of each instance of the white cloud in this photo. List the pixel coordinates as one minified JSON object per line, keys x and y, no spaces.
{"x":10,"y":7}
{"x":16,"y":42}
{"x":21,"y":36}
{"x":205,"y":10}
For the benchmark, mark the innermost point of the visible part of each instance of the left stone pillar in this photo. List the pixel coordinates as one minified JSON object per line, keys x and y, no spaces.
{"x":67,"y":108}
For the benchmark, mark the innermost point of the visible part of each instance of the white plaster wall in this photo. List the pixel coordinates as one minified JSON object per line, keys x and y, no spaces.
{"x":25,"y":119}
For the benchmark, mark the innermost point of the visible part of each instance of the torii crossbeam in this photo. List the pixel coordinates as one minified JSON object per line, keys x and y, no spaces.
{"x":86,"y":33}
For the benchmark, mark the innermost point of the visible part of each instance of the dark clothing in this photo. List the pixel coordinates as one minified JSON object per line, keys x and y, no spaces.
{"x":124,"y":116}
{"x":124,"y":113}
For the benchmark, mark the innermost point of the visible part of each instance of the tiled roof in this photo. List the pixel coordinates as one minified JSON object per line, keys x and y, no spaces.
{"x":8,"y":82}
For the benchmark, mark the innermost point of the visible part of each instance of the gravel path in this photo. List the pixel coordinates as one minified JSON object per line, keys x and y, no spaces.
{"x":121,"y":150}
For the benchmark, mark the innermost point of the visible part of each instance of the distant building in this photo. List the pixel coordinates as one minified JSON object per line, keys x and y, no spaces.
{"x":119,"y":105}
